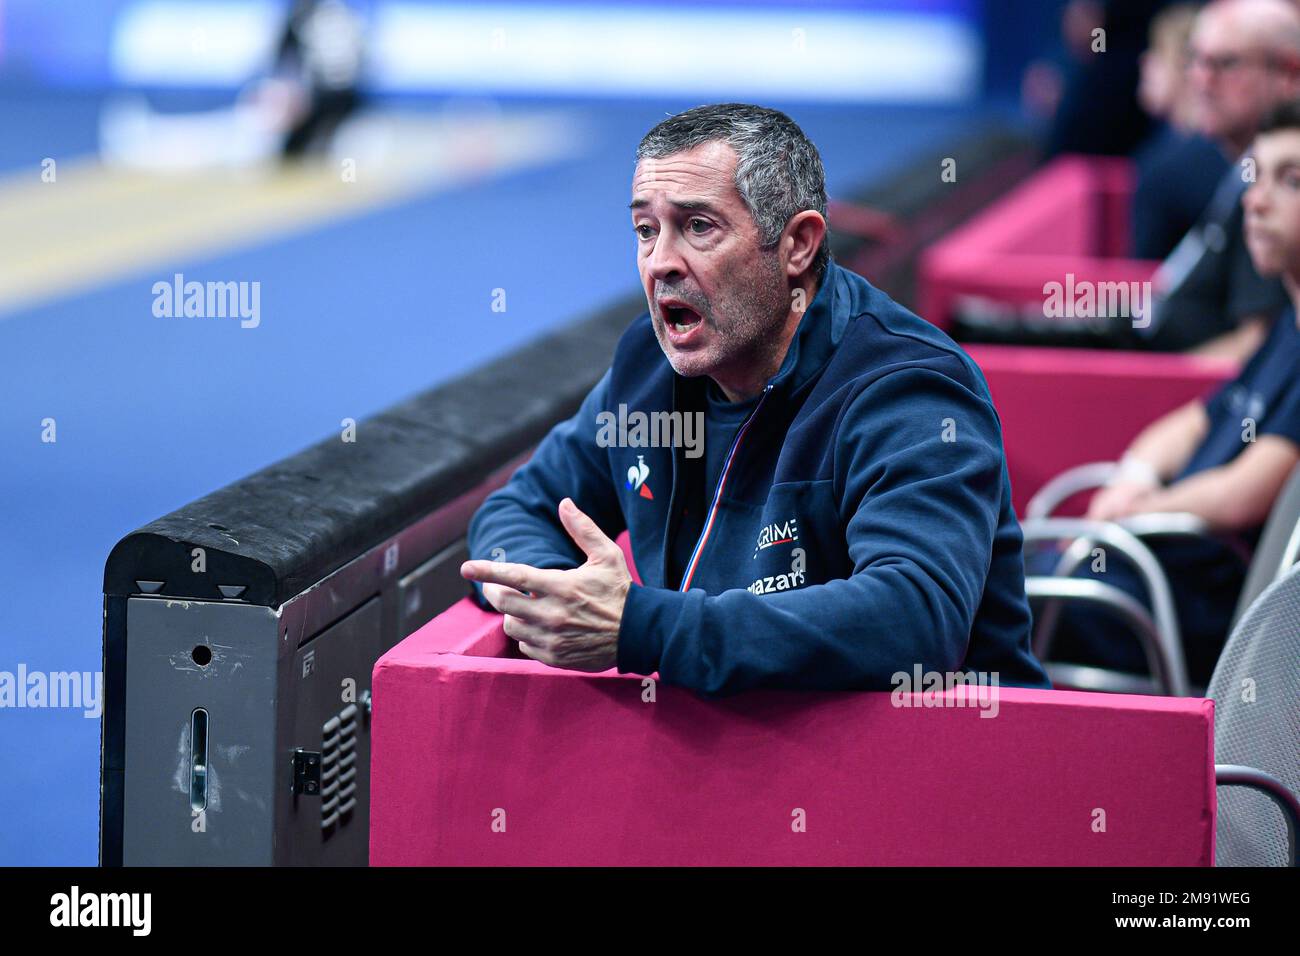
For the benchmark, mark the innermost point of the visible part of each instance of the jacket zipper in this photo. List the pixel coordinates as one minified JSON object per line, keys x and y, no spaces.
{"x":717,"y":494}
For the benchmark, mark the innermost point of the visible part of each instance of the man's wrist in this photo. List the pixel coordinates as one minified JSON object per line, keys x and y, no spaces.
{"x":1136,"y":471}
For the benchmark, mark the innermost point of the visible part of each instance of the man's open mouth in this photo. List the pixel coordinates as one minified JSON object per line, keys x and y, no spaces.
{"x":680,"y":318}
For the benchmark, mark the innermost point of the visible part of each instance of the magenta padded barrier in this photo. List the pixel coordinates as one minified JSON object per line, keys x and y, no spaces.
{"x":1066,"y":407}
{"x":1069,"y":218}
{"x":479,"y":758}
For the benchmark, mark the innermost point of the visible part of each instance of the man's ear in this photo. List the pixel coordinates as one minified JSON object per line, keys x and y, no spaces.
{"x":803,"y":237}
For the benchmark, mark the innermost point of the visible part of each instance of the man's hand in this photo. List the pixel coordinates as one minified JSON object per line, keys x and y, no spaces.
{"x":1120,"y":500}
{"x":566,"y":619}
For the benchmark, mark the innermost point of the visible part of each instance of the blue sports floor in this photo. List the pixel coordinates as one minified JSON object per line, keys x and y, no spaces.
{"x":357,"y":312}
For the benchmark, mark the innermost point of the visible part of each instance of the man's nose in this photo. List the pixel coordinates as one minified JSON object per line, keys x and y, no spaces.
{"x":665,"y":259}
{"x":1253,"y":199}
{"x":1200,"y":77}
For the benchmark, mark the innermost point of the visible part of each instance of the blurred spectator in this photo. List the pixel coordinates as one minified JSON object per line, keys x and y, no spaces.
{"x":1099,"y":111}
{"x":1178,"y":168}
{"x":322,"y":48}
{"x":1162,"y":68}
{"x":1244,"y":60}
{"x":1225,"y":458}
{"x":293,"y":110}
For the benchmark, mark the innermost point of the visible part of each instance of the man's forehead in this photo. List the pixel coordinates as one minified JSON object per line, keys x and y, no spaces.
{"x":1278,"y":148}
{"x":1219,"y":28}
{"x":707,"y":170}
{"x":1242,"y":28}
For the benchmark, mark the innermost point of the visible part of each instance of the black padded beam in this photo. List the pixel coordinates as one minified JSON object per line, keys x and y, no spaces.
{"x":283,"y":529}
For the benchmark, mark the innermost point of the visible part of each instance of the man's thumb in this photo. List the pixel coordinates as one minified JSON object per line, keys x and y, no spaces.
{"x":585,"y":532}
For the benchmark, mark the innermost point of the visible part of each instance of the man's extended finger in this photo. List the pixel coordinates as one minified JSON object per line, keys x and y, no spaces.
{"x":585,"y":532}
{"x":521,"y":577}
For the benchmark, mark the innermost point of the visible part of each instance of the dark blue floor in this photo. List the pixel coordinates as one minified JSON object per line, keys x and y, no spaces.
{"x":153,"y":413}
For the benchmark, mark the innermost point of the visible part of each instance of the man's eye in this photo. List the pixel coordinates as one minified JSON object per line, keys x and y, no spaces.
{"x":703,"y":222}
{"x":646,"y":233}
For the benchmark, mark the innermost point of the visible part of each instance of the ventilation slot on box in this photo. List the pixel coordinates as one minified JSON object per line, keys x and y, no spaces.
{"x":338,"y":774}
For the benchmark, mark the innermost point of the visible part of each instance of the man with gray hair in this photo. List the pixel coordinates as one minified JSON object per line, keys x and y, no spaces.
{"x":850,"y":519}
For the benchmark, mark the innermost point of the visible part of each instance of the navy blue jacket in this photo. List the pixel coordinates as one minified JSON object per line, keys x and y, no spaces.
{"x":862,"y":524}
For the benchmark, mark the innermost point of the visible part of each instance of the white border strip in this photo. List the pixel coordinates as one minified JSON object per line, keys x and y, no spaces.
{"x":584,"y":50}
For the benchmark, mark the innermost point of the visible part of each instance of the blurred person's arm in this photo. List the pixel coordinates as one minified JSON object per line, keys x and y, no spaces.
{"x":1160,"y":451}
{"x":1167,"y":443}
{"x":1233,"y":497}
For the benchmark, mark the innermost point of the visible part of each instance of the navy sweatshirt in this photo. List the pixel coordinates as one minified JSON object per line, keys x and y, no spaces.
{"x":860,"y":524}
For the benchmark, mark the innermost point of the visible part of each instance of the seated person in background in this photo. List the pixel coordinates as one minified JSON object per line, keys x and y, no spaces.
{"x":1244,"y":60}
{"x":1178,"y":168}
{"x":848,"y":516}
{"x":1224,"y":459}
{"x":1098,"y":112}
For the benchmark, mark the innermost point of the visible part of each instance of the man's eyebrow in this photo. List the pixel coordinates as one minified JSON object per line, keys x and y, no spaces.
{"x":1280,"y":168}
{"x":689,"y":205}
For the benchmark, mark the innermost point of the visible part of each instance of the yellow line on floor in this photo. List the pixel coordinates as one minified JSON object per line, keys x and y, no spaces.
{"x":96,"y":225}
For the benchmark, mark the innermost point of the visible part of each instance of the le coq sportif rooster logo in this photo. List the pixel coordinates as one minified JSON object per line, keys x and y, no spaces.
{"x":636,"y":476}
